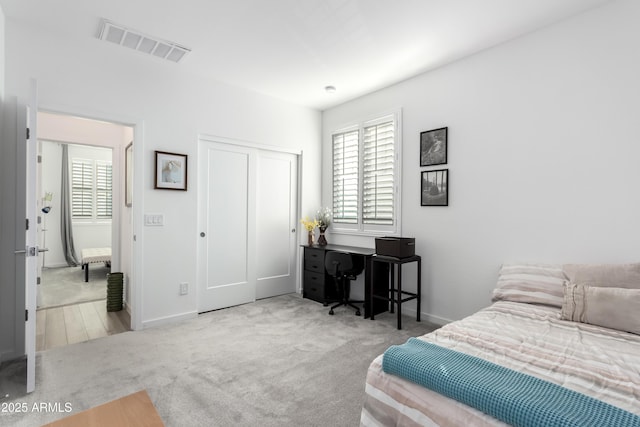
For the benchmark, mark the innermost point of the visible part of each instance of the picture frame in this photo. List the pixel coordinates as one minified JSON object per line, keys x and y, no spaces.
{"x":433,"y":147}
{"x":128,"y":175}
{"x":171,"y":171}
{"x":434,"y":188}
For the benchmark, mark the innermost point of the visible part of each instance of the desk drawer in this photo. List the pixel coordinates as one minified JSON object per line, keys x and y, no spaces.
{"x":314,"y":260}
{"x":313,"y":287}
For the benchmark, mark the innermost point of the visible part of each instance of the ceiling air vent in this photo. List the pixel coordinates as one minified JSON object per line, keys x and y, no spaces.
{"x":133,"y":39}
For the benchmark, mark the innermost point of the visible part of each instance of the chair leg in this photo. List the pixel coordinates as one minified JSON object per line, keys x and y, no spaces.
{"x":335,"y":306}
{"x":346,"y":291}
{"x":354,"y":306}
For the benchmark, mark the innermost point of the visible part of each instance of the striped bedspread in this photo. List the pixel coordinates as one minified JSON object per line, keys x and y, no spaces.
{"x":598,"y":362}
{"x":511,"y":396}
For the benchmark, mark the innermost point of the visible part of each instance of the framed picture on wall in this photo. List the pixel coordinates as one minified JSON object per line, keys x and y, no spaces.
{"x":171,"y":171}
{"x":434,"y":188}
{"x":433,"y":147}
{"x":128,"y":175}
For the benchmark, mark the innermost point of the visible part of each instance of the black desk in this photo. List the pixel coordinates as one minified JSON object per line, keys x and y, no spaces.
{"x":319,"y":286}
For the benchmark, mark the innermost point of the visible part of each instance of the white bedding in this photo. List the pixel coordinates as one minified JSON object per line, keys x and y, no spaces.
{"x":600,"y":362}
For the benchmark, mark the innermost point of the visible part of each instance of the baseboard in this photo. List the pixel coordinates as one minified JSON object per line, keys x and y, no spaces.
{"x":57,"y":265}
{"x":11,"y":357}
{"x":127,"y":308}
{"x":168,"y":319}
{"x":436,"y":320}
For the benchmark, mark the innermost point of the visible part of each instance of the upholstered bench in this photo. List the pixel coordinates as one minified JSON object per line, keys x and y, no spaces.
{"x":91,"y":255}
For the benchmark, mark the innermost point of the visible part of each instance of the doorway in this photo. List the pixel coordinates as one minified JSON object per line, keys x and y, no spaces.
{"x":85,"y":213}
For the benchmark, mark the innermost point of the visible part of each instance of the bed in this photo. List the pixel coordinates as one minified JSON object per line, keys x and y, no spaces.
{"x":567,"y":325}
{"x":94,"y":255}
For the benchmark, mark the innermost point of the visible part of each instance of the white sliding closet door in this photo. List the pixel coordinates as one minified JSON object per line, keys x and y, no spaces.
{"x":247,"y":218}
{"x":276,"y":223}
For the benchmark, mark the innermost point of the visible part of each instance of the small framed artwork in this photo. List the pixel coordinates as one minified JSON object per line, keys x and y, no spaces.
{"x":128,"y":175}
{"x":171,"y":171}
{"x":434,"y":188}
{"x":433,"y":147}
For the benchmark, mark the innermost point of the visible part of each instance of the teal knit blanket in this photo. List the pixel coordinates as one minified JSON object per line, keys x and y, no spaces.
{"x":515,"y":398}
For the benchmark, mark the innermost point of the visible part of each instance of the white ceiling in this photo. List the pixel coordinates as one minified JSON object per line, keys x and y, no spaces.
{"x":292,"y":49}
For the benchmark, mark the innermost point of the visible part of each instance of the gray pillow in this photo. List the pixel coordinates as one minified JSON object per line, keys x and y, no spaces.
{"x":614,"y":308}
{"x":604,"y":275}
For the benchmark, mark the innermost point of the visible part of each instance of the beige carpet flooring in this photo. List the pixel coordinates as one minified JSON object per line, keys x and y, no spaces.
{"x":277,"y":362}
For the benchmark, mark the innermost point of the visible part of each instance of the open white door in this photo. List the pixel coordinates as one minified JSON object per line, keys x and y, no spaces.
{"x":31,"y":238}
{"x":26,"y":249}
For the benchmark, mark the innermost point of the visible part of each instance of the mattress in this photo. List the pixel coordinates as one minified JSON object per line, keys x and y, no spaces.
{"x":596,"y":361}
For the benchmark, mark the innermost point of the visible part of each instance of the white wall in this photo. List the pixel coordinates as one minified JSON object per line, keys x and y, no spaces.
{"x":126,"y":227}
{"x":543,"y":155}
{"x":101,"y":80}
{"x":11,"y":294}
{"x":2,"y":37}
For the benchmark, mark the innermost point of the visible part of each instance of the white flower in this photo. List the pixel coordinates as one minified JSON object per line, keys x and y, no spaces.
{"x":324,"y":217}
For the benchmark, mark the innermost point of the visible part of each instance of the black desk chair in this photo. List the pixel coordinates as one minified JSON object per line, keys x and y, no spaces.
{"x":344,"y":267}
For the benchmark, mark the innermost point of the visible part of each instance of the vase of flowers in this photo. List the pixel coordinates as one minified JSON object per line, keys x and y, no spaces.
{"x":309,"y":225}
{"x":323,"y":218}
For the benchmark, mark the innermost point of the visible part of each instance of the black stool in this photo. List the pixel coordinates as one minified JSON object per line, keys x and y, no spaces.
{"x":395,"y":294}
{"x":343,"y":267}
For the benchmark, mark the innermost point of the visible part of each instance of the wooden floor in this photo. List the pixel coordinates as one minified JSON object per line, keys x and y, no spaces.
{"x":59,"y":326}
{"x":133,"y":410}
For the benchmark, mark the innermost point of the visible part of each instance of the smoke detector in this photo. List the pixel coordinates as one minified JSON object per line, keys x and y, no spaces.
{"x":136,"y":40}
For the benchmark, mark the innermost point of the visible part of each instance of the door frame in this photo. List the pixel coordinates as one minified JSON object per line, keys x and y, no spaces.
{"x":137,"y":261}
{"x":239,"y":143}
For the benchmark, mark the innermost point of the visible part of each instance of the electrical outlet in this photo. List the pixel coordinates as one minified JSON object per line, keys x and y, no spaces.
{"x":184,"y":288}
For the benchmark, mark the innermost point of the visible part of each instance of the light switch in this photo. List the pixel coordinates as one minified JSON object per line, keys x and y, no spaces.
{"x":153,"y":220}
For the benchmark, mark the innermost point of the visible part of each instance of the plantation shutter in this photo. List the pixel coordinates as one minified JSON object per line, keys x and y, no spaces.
{"x":378,"y":177}
{"x":345,"y":177}
{"x":81,"y":189}
{"x":103,"y":190}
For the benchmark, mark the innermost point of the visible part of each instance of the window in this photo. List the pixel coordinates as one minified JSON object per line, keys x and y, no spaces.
{"x":91,"y":189}
{"x":365,"y":177}
{"x":345,"y":177}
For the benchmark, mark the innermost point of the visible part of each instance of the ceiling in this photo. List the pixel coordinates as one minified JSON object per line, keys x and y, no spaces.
{"x":292,"y":49}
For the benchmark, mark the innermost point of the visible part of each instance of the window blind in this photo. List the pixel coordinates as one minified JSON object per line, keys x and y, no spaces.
{"x":103,"y":190}
{"x":82,"y":188}
{"x":378,"y":174}
{"x":345,"y":177}
{"x":91,"y":189}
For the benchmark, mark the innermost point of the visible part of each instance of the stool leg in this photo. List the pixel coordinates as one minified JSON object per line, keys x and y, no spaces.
{"x":86,"y":272}
{"x":371,"y":298}
{"x":419,"y":288}
{"x":399,"y":296}
{"x":392,"y":285}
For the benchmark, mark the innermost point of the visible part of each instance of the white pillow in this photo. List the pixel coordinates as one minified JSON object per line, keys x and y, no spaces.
{"x":530,"y":283}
